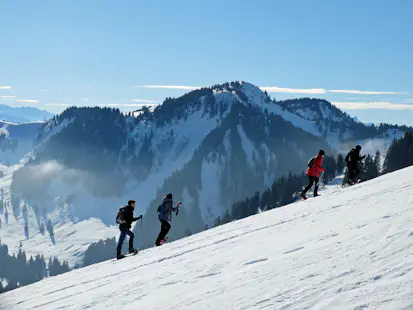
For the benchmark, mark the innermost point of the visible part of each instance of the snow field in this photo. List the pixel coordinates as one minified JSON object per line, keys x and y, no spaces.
{"x":348,"y":249}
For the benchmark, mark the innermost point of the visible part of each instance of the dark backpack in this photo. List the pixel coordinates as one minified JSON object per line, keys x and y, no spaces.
{"x":120,"y":217}
{"x":160,"y":207}
{"x":311,"y":162}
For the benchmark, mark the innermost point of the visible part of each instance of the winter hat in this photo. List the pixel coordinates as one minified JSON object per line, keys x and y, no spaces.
{"x":169,"y":196}
{"x":358,"y":147}
{"x":321,"y":152}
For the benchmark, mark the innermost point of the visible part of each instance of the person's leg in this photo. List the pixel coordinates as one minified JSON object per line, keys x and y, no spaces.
{"x":165,"y":226}
{"x":158,"y":240}
{"x":131,"y":236}
{"x":120,"y":242}
{"x":356,"y":172}
{"x":316,"y":180}
{"x":310,"y":183}
{"x":351,"y":174}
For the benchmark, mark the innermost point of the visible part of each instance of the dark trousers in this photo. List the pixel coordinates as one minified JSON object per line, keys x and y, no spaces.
{"x":353,"y":172}
{"x":311,"y":181}
{"x":123,"y":233}
{"x":165,"y":226}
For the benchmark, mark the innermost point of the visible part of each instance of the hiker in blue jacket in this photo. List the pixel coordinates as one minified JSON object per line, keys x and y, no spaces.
{"x":165,"y":217}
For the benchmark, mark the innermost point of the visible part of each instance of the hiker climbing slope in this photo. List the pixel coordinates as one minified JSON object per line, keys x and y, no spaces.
{"x":313,"y":173}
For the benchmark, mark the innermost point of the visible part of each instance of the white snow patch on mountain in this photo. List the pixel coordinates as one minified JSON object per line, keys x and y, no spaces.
{"x":350,"y":248}
{"x":211,"y":191}
{"x":71,"y":236}
{"x":247,"y":146}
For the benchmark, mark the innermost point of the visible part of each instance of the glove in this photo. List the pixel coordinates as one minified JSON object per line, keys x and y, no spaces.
{"x":140,"y":216}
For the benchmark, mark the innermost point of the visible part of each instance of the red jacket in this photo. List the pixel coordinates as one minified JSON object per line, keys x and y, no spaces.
{"x":317,"y":167}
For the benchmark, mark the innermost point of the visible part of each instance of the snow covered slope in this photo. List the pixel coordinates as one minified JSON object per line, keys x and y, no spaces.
{"x":71,"y":236}
{"x":348,"y":249}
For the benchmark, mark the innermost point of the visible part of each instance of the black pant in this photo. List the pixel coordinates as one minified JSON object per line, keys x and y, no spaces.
{"x":353,"y":172}
{"x":311,"y":180}
{"x":123,"y":233}
{"x":164,"y":231}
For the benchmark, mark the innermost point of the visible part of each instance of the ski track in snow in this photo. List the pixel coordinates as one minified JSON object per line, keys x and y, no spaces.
{"x":348,"y":249}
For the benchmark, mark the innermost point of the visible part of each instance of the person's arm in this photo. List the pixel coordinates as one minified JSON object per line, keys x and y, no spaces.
{"x":137,"y":218}
{"x":347,"y":159}
{"x":177,"y":206}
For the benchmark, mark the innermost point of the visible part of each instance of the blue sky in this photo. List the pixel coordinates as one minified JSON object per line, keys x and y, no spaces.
{"x":356,"y":54}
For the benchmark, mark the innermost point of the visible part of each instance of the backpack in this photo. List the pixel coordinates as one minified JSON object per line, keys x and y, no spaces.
{"x":311,"y":162}
{"x":160,"y":207}
{"x":120,"y":216}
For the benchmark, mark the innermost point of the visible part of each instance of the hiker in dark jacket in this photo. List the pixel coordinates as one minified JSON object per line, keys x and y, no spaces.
{"x":353,"y":159}
{"x":165,"y":217}
{"x":125,"y":228}
{"x":313,"y":174}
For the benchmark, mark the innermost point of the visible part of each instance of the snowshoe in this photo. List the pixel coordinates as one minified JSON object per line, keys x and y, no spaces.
{"x":133,"y":251}
{"x":162,"y":241}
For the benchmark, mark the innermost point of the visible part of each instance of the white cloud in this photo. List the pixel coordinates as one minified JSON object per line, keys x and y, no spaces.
{"x":273,"y":89}
{"x":85,"y":99}
{"x":127,"y":104}
{"x":5,"y":87}
{"x":363,"y":92}
{"x":44,"y":90}
{"x":169,"y":87}
{"x":7,"y":97}
{"x":56,"y":104}
{"x":27,"y":100}
{"x":408,"y":100}
{"x":144,"y":100}
{"x":372,"y":105}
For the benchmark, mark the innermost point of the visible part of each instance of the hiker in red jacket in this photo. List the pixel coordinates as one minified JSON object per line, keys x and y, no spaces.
{"x":313,"y":173}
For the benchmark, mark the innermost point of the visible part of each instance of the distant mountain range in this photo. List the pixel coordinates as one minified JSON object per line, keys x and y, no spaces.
{"x":23,"y":114}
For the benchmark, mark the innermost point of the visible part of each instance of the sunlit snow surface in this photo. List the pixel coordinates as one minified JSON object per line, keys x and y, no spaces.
{"x":348,"y":249}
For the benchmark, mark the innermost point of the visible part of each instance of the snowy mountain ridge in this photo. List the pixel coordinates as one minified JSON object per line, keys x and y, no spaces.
{"x":18,"y":115}
{"x":356,"y":253}
{"x":210,"y":147}
{"x":337,"y":126}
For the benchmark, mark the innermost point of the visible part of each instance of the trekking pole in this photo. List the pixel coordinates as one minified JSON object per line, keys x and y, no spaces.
{"x":321,"y":178}
{"x":141,"y":232}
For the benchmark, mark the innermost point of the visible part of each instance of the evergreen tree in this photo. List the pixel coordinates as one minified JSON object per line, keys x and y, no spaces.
{"x":50,"y":227}
{"x":377,"y":162}
{"x":340,"y":163}
{"x":41,"y":228}
{"x":100,"y":251}
{"x":217,"y":221}
{"x":226,"y":218}
{"x":399,"y":154}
